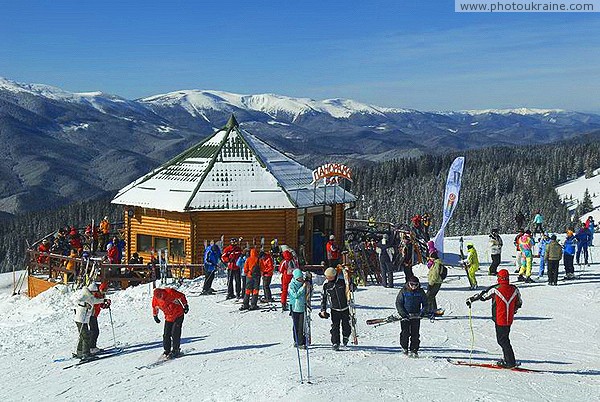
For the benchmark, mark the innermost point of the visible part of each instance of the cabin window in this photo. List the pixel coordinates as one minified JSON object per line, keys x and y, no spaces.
{"x":144,"y":242}
{"x":147,"y":243}
{"x":161,"y":243}
{"x":177,"y":247}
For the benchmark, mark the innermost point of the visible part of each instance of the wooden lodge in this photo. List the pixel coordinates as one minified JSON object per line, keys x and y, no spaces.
{"x":231,"y":184}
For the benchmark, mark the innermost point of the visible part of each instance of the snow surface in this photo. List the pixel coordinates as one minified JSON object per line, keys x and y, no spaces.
{"x":250,"y":356}
{"x":576,"y":188}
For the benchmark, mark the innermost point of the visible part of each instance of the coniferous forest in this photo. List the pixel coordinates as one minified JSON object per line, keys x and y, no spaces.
{"x":497,"y":183}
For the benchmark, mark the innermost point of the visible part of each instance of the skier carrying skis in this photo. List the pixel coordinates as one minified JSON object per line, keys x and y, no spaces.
{"x":84,"y":308}
{"x":252,"y":270}
{"x":334,"y":291}
{"x":174,"y":306}
{"x":472,"y":265}
{"x":212,"y":256}
{"x":94,"y":329}
{"x":287,"y":267}
{"x":297,"y":305}
{"x":506,"y":300}
{"x":411,"y":304}
{"x":385,"y":250}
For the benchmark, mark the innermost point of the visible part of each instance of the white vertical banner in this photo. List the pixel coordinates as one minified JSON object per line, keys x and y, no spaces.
{"x":450,"y":199}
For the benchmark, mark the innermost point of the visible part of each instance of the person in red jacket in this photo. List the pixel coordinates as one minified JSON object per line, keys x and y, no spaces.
{"x":112,"y":253}
{"x":506,"y":300}
{"x":44,"y":247}
{"x":230,"y":256}
{"x":333,"y":252}
{"x":286,"y":268}
{"x":94,"y":329}
{"x":173,"y":305}
{"x":266,"y":271}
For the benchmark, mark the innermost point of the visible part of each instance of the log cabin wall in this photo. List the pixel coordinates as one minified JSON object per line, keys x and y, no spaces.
{"x":251,"y":225}
{"x":339,"y":223}
{"x":161,"y":224}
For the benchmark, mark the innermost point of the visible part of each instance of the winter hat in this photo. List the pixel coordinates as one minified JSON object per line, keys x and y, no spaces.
{"x":331,"y":237}
{"x":431,"y":247}
{"x":503,"y":276}
{"x":553,"y":237}
{"x":413,"y":280}
{"x":469,"y":245}
{"x":330,"y":272}
{"x":569,"y":233}
{"x":109,"y":246}
{"x":93,"y":287}
{"x":297,"y":273}
{"x":287,"y":255}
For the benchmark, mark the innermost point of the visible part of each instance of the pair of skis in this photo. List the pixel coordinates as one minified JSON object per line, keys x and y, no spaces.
{"x":351,"y":305}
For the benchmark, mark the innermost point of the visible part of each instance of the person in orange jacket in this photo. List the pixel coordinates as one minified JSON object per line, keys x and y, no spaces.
{"x":266,"y":270}
{"x":253,"y":273}
{"x":174,"y":306}
{"x":286,"y":268}
{"x":104,"y":232}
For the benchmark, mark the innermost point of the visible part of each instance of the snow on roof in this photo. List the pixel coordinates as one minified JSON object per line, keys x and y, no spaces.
{"x":231,"y":170}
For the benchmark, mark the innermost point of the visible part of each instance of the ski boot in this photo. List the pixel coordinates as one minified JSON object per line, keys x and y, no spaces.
{"x":174,"y":354}
{"x":414,"y":354}
{"x":503,"y":364}
{"x":405,"y":352}
{"x":521,"y":278}
{"x":345,"y":341}
{"x":253,"y":304}
{"x":335,"y":346}
{"x":529,"y":280}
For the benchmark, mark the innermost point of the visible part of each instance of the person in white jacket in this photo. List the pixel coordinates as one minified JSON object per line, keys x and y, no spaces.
{"x":84,"y":306}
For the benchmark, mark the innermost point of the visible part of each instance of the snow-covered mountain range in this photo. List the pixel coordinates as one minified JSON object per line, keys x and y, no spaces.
{"x":61,"y":146}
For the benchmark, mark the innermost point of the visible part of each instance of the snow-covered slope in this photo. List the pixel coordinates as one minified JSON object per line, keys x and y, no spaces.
{"x":234,"y":356}
{"x":271,"y":104}
{"x":572,"y":192}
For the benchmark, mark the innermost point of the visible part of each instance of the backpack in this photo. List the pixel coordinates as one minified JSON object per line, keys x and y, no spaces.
{"x":443,"y":271}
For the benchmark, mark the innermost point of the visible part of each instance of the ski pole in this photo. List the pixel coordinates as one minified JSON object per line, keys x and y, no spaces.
{"x":472,"y":335}
{"x":297,"y":348}
{"x":113,"y":327}
{"x":307,"y":341}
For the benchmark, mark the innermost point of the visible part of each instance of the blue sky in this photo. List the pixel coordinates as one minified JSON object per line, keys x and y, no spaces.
{"x":403,"y":53}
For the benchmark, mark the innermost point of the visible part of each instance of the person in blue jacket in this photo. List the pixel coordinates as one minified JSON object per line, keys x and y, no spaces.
{"x":297,"y":305}
{"x":542,"y":250}
{"x":569,"y":255}
{"x":411,"y":304}
{"x":584,"y":237}
{"x":212,"y":256}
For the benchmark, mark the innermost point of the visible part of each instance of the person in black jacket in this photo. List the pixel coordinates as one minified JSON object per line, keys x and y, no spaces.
{"x":411,"y":304}
{"x":334,"y":290}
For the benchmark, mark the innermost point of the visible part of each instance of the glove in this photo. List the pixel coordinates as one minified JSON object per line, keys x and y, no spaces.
{"x":470,"y":300}
{"x":404,"y":318}
{"x":186,"y":308}
{"x":324,"y":314}
{"x":106,"y":303}
{"x":156,"y":319}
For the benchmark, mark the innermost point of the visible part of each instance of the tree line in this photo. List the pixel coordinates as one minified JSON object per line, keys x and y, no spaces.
{"x":497,"y":183}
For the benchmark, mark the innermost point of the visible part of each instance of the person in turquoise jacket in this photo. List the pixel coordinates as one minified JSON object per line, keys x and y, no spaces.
{"x":297,"y":306}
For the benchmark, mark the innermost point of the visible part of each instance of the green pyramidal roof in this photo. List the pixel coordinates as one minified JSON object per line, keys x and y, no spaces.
{"x":230,"y":170}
